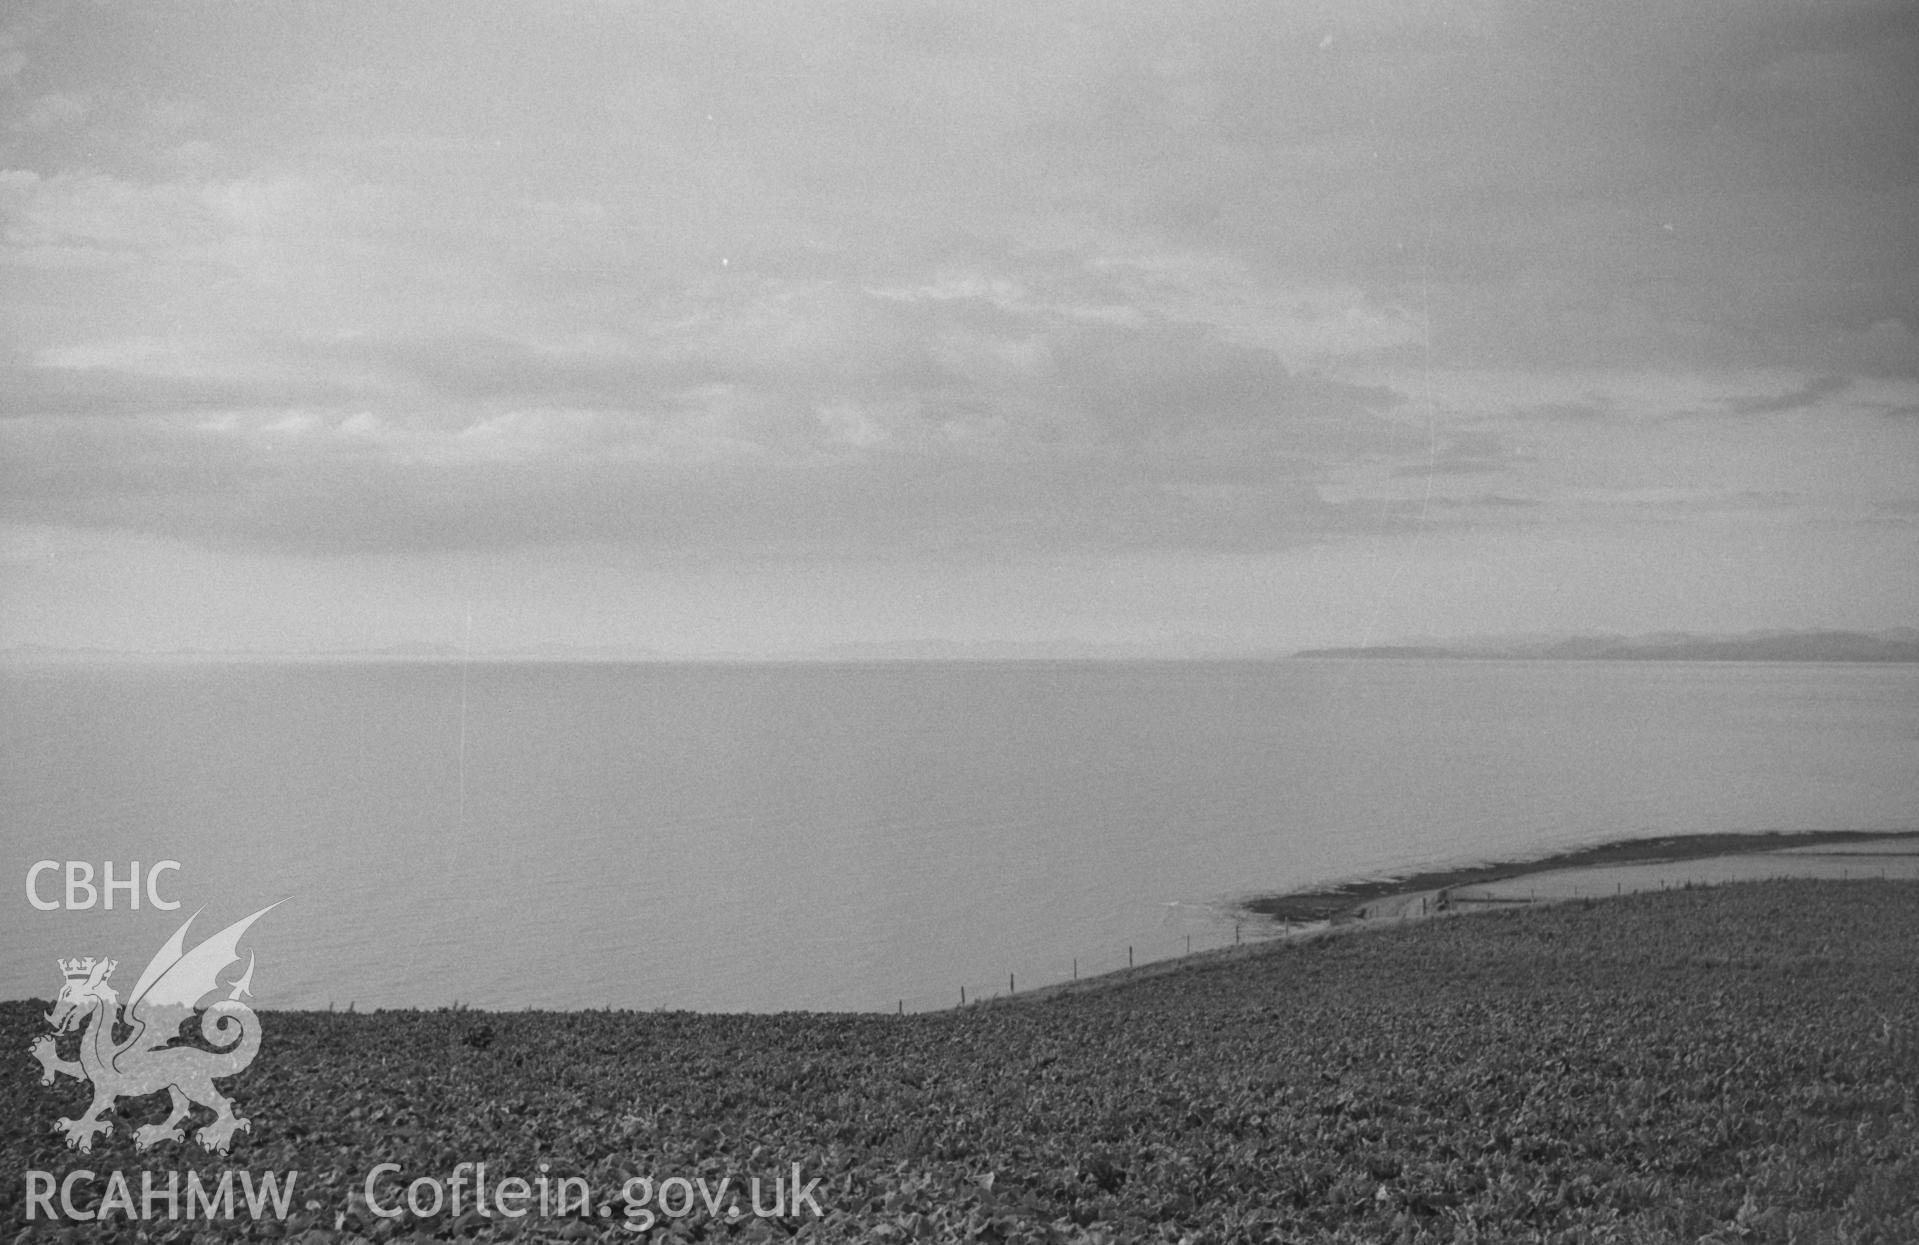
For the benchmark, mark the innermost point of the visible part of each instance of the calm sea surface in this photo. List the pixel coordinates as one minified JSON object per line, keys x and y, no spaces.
{"x":767,"y":837}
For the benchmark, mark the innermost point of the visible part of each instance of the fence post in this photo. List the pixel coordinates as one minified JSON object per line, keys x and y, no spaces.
{"x":1075,"y":968}
{"x":962,"y":996}
{"x":1129,"y":957}
{"x":1010,"y":988}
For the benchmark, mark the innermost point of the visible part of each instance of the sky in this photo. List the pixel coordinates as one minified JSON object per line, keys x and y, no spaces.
{"x":766,"y":328}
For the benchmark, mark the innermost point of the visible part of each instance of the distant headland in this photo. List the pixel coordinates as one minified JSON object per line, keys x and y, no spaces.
{"x":1899,"y":644}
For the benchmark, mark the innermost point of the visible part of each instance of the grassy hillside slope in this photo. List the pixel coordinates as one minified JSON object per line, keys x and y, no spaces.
{"x":1737,"y":1064}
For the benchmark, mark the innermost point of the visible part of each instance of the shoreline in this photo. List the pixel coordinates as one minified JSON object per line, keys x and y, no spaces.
{"x":1348,"y":901}
{"x":1718,"y":1064}
{"x":1603,"y":871}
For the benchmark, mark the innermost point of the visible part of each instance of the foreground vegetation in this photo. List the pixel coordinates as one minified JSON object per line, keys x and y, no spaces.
{"x":1738,"y":1064}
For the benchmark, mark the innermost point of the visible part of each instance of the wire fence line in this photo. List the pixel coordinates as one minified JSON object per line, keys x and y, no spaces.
{"x":1064,"y":970}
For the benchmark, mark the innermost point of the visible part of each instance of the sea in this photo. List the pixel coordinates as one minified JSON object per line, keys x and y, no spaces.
{"x":880,"y":837}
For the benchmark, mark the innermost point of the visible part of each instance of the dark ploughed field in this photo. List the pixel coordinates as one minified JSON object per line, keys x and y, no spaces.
{"x":1735,"y":1064}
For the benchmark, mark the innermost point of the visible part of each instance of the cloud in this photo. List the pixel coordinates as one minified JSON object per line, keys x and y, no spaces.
{"x":1461,"y":453}
{"x":51,"y":112}
{"x":13,"y":59}
{"x":486,"y":371}
{"x":85,"y":218}
{"x":951,"y":282}
{"x":1571,"y":411}
{"x":107,"y":390}
{"x":862,"y":422}
{"x":344,"y":488}
{"x":1808,"y":394}
{"x":1494,"y":501}
{"x":971,"y":412}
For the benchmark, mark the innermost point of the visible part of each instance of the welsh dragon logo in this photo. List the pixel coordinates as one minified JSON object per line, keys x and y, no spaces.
{"x":149,"y":1060}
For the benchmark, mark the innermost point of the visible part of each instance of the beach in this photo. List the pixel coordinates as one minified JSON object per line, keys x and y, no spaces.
{"x":1607,"y":869}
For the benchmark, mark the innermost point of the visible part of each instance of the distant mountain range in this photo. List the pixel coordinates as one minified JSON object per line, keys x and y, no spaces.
{"x":1899,"y":644}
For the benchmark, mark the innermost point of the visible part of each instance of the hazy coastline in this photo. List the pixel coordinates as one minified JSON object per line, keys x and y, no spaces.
{"x":1899,"y":644}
